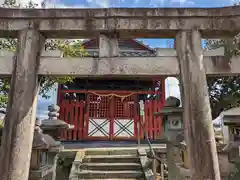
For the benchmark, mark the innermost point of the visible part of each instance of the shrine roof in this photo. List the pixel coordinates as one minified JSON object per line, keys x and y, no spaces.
{"x":127,"y":47}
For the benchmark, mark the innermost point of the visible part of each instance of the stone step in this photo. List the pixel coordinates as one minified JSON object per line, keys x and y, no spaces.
{"x":111,"y":159}
{"x":110,"y":166}
{"x":111,"y":152}
{"x":88,"y":174}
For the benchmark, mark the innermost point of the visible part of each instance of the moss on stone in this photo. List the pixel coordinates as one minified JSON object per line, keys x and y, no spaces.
{"x":1,"y":123}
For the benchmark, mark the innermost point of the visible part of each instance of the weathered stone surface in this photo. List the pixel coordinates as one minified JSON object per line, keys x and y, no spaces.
{"x":225,"y":166}
{"x":53,"y":112}
{"x":119,"y":12}
{"x":42,"y":174}
{"x":197,"y":111}
{"x":53,"y":124}
{"x":53,"y":108}
{"x":124,"y":66}
{"x":44,"y":141}
{"x":156,"y":22}
{"x":173,"y":157}
{"x":164,"y":64}
{"x":108,"y":47}
{"x":21,"y":111}
{"x":233,"y":112}
{"x":172,"y":102}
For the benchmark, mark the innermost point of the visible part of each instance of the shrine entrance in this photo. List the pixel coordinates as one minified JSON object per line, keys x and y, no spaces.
{"x":112,"y":114}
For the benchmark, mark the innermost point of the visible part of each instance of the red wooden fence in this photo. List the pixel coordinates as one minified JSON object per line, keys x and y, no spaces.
{"x":73,"y":112}
{"x":152,"y":125}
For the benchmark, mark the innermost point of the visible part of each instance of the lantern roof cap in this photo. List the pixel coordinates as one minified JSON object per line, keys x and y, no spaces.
{"x":232,"y":112}
{"x":44,"y":141}
{"x":171,"y":107}
{"x":169,"y":111}
{"x":172,"y":101}
{"x":231,"y":116}
{"x":53,"y":124}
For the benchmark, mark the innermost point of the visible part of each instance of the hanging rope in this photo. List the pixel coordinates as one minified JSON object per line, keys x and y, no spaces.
{"x":113,"y":94}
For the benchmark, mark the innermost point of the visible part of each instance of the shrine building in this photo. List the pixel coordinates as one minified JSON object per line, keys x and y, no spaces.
{"x":113,"y":108}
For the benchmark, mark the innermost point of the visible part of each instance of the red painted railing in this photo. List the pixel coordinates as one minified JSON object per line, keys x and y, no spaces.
{"x":110,"y":108}
{"x":79,"y":114}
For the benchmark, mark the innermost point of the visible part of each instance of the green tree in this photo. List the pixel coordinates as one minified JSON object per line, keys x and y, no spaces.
{"x":70,"y":48}
{"x":224,"y":92}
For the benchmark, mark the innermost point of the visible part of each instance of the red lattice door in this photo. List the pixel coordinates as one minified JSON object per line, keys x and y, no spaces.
{"x":111,"y":117}
{"x":125,"y":117}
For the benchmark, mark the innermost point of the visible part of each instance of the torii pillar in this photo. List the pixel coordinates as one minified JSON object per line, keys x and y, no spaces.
{"x":199,"y":131}
{"x":20,"y":119}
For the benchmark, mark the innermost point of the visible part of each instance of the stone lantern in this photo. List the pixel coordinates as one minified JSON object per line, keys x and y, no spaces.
{"x":174,"y":135}
{"x":231,"y":119}
{"x":54,"y":126}
{"x":44,"y":151}
{"x":172,"y":120}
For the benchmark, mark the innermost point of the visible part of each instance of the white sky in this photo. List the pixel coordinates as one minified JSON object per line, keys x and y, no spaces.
{"x":172,"y":87}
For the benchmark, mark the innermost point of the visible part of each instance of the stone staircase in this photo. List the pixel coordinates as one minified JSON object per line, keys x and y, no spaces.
{"x":114,"y":164}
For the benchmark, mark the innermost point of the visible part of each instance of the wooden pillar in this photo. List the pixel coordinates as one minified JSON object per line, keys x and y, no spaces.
{"x":197,"y":112}
{"x":20,"y":119}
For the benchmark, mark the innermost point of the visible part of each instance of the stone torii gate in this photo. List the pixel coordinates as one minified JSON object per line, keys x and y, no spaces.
{"x":187,"y":26}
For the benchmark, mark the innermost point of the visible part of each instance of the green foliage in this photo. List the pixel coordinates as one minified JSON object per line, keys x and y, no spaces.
{"x":70,"y":48}
{"x":1,"y":124}
{"x":224,"y":92}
